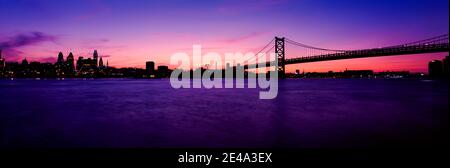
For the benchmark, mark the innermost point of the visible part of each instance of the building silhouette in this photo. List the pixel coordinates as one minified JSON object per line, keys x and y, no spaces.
{"x":88,"y":67}
{"x":446,"y":66}
{"x":65,"y":68}
{"x":83,"y":67}
{"x":60,"y":58}
{"x":435,"y":69}
{"x":69,"y":67}
{"x":100,"y":63}
{"x":95,"y":55}
{"x":24,"y":62}
{"x":150,"y":67}
{"x":70,"y":61}
{"x":163,"y":68}
{"x":59,"y":65}
{"x":358,"y":73}
{"x":2,"y":62}
{"x":163,"y":71}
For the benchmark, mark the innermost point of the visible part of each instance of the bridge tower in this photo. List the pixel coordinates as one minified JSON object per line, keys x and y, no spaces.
{"x":279,"y":52}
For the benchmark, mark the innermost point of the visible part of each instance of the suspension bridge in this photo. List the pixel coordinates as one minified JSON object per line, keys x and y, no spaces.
{"x":316,"y":54}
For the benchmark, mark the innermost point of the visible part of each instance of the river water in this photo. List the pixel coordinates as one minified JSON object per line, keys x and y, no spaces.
{"x":308,"y":113}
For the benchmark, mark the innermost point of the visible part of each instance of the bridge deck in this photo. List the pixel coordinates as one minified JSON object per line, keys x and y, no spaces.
{"x":377,"y":52}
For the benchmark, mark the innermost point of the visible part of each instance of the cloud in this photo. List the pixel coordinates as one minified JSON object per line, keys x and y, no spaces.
{"x":100,"y":44}
{"x":10,"y":45}
{"x":104,"y":40}
{"x":105,"y":56}
{"x":26,"y":39}
{"x":99,"y":40}
{"x":88,"y":42}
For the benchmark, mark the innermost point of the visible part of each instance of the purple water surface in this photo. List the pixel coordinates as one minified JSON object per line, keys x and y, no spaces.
{"x":308,"y":113}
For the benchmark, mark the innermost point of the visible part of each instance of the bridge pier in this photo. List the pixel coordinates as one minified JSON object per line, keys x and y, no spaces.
{"x":279,"y":52}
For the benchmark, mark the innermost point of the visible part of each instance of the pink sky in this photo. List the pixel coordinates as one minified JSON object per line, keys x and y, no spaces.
{"x":129,"y":33}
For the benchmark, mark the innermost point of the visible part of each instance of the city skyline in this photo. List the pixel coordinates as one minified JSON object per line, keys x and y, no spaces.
{"x":131,"y":33}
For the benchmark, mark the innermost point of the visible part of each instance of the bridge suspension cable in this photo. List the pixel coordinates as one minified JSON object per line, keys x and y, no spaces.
{"x":311,"y":47}
{"x":261,"y":51}
{"x":313,"y":54}
{"x":268,"y":44}
{"x":440,"y":38}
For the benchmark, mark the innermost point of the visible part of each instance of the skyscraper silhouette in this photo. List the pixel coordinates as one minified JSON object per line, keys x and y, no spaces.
{"x":150,"y":67}
{"x":59,"y":65}
{"x":69,"y":66}
{"x":60,"y":58}
{"x":70,"y":60}
{"x":88,"y":66}
{"x":79,"y":63}
{"x":100,"y":63}
{"x":2,"y":61}
{"x":95,"y":58}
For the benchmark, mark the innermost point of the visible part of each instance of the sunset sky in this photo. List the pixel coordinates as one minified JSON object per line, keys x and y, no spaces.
{"x":128,"y":33}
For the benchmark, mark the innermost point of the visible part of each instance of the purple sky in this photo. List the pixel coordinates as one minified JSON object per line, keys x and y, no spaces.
{"x":128,"y":33}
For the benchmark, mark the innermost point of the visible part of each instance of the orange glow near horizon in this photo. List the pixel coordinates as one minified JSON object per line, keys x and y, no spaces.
{"x":129,"y":33}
